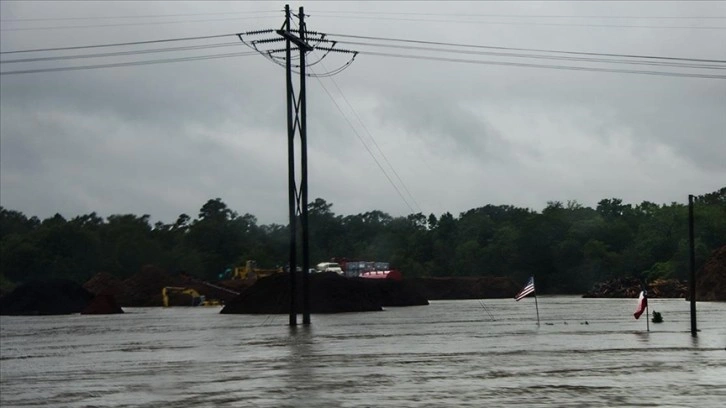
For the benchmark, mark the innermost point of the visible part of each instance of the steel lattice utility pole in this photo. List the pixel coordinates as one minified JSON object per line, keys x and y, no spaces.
{"x":297,"y":200}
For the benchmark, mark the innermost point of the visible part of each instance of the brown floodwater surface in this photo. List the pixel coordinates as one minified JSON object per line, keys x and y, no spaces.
{"x":467,"y":353}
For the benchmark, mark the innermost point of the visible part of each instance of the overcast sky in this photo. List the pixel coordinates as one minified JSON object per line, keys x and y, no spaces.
{"x":163,"y":139}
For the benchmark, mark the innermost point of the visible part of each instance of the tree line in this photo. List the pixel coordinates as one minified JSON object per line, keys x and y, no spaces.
{"x":567,"y":246}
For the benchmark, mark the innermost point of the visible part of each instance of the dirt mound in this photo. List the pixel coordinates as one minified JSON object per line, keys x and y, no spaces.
{"x":144,"y":288}
{"x":667,"y":288}
{"x":711,"y":279}
{"x":329,"y":293}
{"x":51,"y":297}
{"x":103,"y":303}
{"x":631,"y":287}
{"x":483,"y":287}
{"x":104,"y":282}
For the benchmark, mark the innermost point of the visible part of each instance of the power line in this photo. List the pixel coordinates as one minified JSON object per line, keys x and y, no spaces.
{"x":133,"y":63}
{"x":373,"y":38}
{"x":366,"y":146}
{"x":137,"y":16}
{"x":528,"y":23}
{"x":371,"y":13}
{"x":121,"y":53}
{"x":324,"y":36}
{"x":360,"y":121}
{"x":537,"y":56}
{"x":561,"y":67}
{"x":404,"y":40}
{"x":80,"y":47}
{"x":154,"y":23}
{"x":522,"y":15}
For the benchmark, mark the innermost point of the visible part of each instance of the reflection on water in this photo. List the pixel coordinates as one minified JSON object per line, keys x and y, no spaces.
{"x":643,"y":336}
{"x":587,"y":352}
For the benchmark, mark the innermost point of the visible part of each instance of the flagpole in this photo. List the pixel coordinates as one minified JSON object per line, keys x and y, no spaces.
{"x":536,"y":307}
{"x":647,"y":316}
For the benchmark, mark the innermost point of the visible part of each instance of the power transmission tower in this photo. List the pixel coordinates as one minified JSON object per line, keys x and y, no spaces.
{"x":296,"y":125}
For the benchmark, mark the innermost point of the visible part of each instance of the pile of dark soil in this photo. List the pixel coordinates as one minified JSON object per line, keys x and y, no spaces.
{"x":144,"y":288}
{"x":104,"y":303}
{"x":329,"y":293}
{"x":484,"y":287}
{"x":631,"y":287}
{"x":237,"y":285}
{"x":711,"y":279}
{"x":667,"y":288}
{"x":104,"y":282}
{"x":52,"y":297}
{"x":615,"y":288}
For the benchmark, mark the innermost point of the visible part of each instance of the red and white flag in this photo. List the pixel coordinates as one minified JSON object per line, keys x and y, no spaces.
{"x":642,"y":304}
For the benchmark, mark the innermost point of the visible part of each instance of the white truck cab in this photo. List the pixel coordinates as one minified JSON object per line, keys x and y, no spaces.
{"x":329,"y":267}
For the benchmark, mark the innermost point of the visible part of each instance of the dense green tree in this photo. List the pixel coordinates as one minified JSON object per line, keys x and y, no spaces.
{"x":567,"y":246}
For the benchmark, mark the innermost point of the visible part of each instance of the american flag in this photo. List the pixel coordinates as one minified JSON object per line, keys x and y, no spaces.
{"x":528,"y":288}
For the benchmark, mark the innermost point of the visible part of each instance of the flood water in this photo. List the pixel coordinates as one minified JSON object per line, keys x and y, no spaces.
{"x":465,"y":353}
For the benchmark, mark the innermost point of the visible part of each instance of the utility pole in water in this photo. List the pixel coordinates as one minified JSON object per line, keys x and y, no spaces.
{"x":692,"y":263}
{"x":297,"y":200}
{"x":297,"y":124}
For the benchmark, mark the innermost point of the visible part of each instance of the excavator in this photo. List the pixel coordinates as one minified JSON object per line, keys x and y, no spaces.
{"x":196,"y":298}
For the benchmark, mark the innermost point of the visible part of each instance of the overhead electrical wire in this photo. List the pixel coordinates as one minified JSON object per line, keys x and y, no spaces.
{"x":130,"y":24}
{"x":537,"y":56}
{"x":132,"y":63}
{"x":139,"y":16}
{"x":406,"y":40}
{"x":364,"y":37}
{"x":518,"y":15}
{"x":122,"y":53}
{"x":375,"y":143}
{"x":355,"y":131}
{"x":586,"y":57}
{"x":316,"y":12}
{"x":527,"y":23}
{"x":561,"y":67}
{"x":123,"y":44}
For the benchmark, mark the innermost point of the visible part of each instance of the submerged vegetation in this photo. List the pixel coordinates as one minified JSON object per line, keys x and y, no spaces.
{"x":567,"y":246}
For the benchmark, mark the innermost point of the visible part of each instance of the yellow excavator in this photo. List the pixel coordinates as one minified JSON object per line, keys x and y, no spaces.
{"x":196,"y":298}
{"x":251,"y":272}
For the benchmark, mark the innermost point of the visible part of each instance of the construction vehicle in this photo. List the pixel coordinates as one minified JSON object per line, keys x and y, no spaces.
{"x":251,"y":272}
{"x":328,"y":267}
{"x":367,"y":269}
{"x":195,"y":299}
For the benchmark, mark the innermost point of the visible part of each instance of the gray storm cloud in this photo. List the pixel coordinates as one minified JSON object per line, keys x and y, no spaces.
{"x":162,"y":139}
